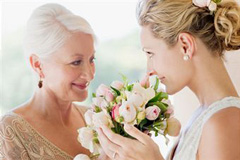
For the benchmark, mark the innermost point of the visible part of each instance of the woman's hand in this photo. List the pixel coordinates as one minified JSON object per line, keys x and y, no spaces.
{"x":103,"y":156}
{"x":118,"y":147}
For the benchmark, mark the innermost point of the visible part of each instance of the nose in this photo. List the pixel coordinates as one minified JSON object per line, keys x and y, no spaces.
{"x":150,"y":69}
{"x":88,"y":72}
{"x":151,"y":72}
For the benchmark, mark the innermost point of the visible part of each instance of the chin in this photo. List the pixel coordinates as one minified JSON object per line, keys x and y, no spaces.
{"x":171,"y":91}
{"x":81,"y":97}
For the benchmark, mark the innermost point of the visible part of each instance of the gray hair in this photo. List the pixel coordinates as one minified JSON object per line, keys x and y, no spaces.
{"x":48,"y":28}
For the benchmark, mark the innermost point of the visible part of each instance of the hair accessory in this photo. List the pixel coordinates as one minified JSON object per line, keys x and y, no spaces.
{"x":211,"y":4}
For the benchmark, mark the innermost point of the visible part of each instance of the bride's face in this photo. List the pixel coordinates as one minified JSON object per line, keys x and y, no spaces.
{"x":166,"y":62}
{"x":68,"y":71}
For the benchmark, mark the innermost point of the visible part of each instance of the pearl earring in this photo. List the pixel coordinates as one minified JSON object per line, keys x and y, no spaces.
{"x":185,"y":57}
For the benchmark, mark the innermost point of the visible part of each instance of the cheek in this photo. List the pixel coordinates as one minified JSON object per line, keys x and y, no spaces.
{"x":60,"y":76}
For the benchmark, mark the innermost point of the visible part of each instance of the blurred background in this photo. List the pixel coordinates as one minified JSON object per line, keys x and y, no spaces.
{"x":118,"y":51}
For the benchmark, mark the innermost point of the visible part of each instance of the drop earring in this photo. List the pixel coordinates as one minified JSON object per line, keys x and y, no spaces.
{"x":185,"y":57}
{"x":40,"y":83}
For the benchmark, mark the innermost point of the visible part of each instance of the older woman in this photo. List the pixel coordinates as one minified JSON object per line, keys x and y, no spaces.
{"x":60,"y":48}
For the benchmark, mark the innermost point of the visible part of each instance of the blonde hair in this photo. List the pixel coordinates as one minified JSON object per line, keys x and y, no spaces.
{"x":48,"y":28}
{"x":219,"y":31}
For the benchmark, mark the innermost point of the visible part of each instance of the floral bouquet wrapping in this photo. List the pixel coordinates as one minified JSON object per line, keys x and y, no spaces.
{"x":141,"y":104}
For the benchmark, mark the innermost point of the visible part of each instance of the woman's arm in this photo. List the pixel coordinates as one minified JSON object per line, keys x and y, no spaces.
{"x":118,"y":147}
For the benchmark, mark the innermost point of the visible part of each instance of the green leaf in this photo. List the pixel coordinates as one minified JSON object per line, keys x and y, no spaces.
{"x":143,"y":122}
{"x":217,"y":1}
{"x":164,"y":95}
{"x":156,"y":84}
{"x":97,"y":109}
{"x":160,"y":105}
{"x":94,"y":95}
{"x":124,"y":78}
{"x":159,"y":97}
{"x":116,"y":91}
{"x":130,"y":87}
{"x":156,"y":98}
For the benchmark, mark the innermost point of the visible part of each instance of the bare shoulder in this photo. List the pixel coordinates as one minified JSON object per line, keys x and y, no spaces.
{"x":13,"y":114}
{"x":221,"y":132}
{"x":9,"y":120}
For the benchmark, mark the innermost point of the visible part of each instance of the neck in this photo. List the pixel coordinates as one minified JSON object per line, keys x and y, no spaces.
{"x":214,"y":85}
{"x":48,"y":106}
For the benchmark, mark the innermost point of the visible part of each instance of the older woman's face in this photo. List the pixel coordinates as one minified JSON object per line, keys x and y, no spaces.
{"x":68,"y":72}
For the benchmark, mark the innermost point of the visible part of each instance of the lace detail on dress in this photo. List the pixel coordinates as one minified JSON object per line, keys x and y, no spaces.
{"x":188,"y":146}
{"x":20,"y":141}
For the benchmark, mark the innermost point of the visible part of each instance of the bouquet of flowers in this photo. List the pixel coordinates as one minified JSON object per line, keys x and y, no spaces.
{"x":141,"y":104}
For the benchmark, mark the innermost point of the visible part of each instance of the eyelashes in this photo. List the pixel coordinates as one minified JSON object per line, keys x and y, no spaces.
{"x":150,"y":54}
{"x":76,"y":63}
{"x":79,"y":62}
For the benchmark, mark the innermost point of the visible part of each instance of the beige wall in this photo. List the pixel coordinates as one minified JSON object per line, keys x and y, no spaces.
{"x":185,"y":102}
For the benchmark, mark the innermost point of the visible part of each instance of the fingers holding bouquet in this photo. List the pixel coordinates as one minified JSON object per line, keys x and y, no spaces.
{"x":120,"y":116}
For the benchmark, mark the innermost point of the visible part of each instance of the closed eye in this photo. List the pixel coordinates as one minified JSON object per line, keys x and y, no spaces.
{"x":150,"y":54}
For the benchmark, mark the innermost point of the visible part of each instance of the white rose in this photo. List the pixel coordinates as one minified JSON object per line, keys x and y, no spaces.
{"x":100,"y":102}
{"x":85,"y":137}
{"x":212,"y":6}
{"x":147,"y":94}
{"x":136,"y":99}
{"x":101,"y":118}
{"x":81,"y":157}
{"x":88,"y":117}
{"x":152,"y":112}
{"x":127,"y":111}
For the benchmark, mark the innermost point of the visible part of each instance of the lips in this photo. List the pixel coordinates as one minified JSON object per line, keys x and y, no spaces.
{"x":81,"y":86}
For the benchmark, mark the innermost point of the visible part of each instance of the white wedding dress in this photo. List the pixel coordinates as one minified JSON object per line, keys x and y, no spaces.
{"x":188,"y":142}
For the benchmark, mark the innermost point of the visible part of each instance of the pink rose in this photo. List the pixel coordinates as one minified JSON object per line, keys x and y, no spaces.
{"x":145,"y":82}
{"x":173,"y":127}
{"x":115,"y":112}
{"x":152,"y":112}
{"x":102,"y":90}
{"x":201,"y":3}
{"x":109,"y":96}
{"x":117,"y":85}
{"x":170,"y":111}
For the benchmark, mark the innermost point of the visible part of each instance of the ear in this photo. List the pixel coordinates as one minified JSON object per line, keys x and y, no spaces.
{"x":36,"y":64}
{"x":187,"y":43}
